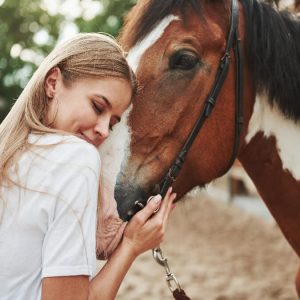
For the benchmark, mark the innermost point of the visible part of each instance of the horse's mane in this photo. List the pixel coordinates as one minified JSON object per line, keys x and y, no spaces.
{"x":272,"y":43}
{"x":273,"y":50}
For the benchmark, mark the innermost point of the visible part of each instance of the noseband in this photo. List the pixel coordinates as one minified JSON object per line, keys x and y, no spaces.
{"x":233,"y":42}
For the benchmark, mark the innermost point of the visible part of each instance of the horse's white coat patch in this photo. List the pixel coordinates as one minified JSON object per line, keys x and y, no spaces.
{"x":135,"y":53}
{"x":271,"y":121}
{"x":113,"y":150}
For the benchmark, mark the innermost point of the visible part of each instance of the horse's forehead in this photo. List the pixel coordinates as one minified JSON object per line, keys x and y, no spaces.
{"x":178,"y":30}
{"x":137,"y":51}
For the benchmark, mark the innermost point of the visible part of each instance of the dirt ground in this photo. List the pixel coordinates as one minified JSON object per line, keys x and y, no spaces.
{"x":217,"y":252}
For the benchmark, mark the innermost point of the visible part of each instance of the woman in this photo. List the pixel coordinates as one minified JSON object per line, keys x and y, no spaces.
{"x":49,"y":177}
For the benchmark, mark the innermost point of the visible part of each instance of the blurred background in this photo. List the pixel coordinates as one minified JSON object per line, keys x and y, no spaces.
{"x":222,"y":242}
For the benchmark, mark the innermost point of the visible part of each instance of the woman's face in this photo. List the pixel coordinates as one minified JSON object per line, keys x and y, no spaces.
{"x":88,"y":108}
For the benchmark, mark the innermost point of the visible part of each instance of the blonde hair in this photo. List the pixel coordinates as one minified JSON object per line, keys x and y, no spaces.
{"x":87,"y":55}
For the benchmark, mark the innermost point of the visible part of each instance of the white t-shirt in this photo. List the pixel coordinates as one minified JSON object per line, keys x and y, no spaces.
{"x":48,"y":228}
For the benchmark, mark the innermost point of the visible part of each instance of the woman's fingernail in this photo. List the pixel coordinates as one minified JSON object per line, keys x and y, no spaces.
{"x":157,"y":198}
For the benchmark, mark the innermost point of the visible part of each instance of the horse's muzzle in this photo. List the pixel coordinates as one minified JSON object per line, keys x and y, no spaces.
{"x":126,"y":195}
{"x":131,"y":198}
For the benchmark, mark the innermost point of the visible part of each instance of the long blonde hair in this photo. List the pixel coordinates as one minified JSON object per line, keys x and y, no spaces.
{"x":87,"y":55}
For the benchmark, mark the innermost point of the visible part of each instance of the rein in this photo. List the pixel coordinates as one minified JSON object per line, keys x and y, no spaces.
{"x":233,"y":42}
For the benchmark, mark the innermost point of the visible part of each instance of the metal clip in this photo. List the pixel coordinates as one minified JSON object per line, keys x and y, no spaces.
{"x":172,"y":281}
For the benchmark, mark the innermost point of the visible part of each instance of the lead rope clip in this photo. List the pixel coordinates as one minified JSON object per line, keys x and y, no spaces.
{"x":171,"y":279}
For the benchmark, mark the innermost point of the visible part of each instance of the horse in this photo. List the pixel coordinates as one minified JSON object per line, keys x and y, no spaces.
{"x":175,"y":48}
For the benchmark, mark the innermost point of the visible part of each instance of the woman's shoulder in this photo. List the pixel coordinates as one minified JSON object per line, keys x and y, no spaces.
{"x":66,"y":148}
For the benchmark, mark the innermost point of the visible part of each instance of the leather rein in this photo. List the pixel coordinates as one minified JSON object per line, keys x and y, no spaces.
{"x":233,"y":42}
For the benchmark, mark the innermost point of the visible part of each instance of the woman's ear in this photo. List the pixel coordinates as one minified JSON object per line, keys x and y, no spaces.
{"x":53,"y":78}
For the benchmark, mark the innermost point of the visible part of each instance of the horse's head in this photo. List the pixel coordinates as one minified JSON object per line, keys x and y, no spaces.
{"x":175,"y":50}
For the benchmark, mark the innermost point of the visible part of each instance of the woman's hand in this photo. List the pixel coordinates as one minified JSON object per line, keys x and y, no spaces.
{"x":146,"y":229}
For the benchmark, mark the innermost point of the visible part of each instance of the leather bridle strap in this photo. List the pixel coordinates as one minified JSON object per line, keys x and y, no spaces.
{"x":233,"y":42}
{"x":239,"y":118}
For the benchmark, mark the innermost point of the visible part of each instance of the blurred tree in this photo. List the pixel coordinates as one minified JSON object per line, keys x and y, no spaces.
{"x":29,"y":30}
{"x":20,"y":22}
{"x":111,"y":18}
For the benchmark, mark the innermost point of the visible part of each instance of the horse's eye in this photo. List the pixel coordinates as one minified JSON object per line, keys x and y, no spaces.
{"x":183,"y":60}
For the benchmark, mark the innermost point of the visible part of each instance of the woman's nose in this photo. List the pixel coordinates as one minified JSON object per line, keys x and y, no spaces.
{"x":102,"y":128}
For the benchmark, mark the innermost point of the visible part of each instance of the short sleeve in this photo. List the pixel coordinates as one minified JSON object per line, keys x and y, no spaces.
{"x":69,"y":244}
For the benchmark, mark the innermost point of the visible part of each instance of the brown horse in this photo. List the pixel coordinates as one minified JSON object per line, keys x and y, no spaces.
{"x":175,"y":48}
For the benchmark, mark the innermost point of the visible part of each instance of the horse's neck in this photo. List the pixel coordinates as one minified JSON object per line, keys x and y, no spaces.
{"x":271,"y":156}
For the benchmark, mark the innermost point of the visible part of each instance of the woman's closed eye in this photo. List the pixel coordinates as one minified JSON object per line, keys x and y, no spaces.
{"x":97,"y":108}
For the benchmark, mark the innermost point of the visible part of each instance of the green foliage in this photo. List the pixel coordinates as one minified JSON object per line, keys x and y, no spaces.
{"x":22,"y":21}
{"x":110,"y":21}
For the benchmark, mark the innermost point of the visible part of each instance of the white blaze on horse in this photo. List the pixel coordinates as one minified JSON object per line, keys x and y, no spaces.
{"x":175,"y":48}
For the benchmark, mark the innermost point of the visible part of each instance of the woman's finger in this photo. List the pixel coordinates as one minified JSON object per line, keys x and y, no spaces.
{"x":142,"y":216}
{"x":165,"y":203}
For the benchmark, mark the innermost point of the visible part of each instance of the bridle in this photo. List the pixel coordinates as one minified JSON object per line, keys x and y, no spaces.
{"x":233,"y":42}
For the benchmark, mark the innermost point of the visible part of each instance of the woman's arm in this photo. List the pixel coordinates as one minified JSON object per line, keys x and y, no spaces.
{"x":106,"y":283}
{"x":144,"y":232}
{"x":65,"y":287}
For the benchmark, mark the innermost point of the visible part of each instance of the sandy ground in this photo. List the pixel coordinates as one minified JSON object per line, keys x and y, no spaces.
{"x":217,"y":252}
